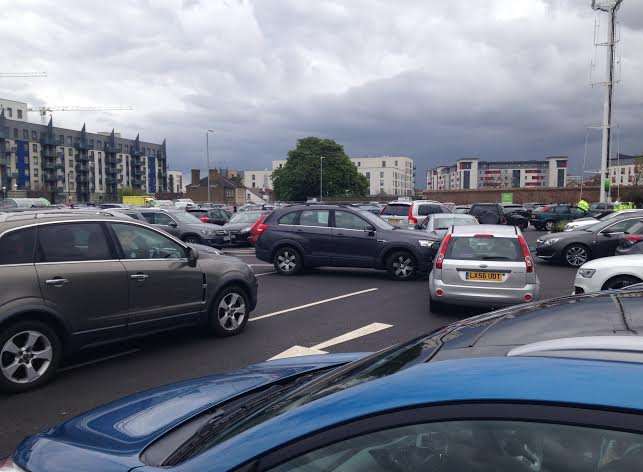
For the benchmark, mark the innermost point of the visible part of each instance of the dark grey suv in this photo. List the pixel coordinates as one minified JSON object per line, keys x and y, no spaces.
{"x":75,"y":281}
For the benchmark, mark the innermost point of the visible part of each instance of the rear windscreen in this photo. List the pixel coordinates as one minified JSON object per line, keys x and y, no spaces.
{"x":396,"y":210}
{"x":424,"y":210}
{"x":470,"y":248}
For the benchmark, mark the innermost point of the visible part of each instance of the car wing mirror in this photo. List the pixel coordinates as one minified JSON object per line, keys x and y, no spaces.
{"x":172,"y":224}
{"x":370,"y":231}
{"x":193,"y":256}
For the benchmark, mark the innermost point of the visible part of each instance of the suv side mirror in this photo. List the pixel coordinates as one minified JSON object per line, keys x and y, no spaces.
{"x":370,"y":231}
{"x":193,"y":256}
{"x":173,"y":224}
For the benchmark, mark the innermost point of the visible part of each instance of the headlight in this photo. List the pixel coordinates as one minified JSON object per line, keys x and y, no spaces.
{"x":9,"y":466}
{"x":426,"y":243}
{"x":586,"y":273}
{"x":551,"y":241}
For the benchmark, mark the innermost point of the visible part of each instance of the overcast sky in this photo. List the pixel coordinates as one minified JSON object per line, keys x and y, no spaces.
{"x":437,"y":81}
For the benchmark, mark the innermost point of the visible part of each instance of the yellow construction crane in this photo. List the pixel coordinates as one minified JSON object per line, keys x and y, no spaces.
{"x":43,"y":110}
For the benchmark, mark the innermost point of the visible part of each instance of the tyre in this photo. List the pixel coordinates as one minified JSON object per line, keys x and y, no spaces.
{"x":192,"y":239}
{"x":575,"y":255}
{"x":230,"y":311}
{"x":30,"y":352}
{"x":287,"y":261}
{"x":619,"y":282}
{"x":401,"y":265}
{"x":549,"y":225}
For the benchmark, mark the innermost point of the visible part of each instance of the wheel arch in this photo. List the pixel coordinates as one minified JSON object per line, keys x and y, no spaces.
{"x":42,"y":315}
{"x":386,"y":253}
{"x":288,"y":242}
{"x":622,"y":275}
{"x":575,"y":243}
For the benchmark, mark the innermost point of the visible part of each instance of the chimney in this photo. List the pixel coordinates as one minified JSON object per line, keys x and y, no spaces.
{"x":196,"y":177}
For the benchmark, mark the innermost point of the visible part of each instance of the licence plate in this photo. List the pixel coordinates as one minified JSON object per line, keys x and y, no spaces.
{"x":393,"y":221}
{"x":485,"y":276}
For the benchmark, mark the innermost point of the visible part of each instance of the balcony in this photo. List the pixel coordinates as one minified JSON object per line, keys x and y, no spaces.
{"x":82,"y":145}
{"x":82,"y":157}
{"x":82,"y":179}
{"x":136,"y":182}
{"x":110,"y":180}
{"x":50,"y":178}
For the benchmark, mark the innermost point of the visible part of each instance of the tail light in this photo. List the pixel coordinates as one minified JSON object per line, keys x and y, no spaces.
{"x":529,"y":262}
{"x":634,"y":238}
{"x":442,"y":252}
{"x":528,"y":297}
{"x":204,"y":219}
{"x":483,"y":236}
{"x":257,"y":229}
{"x":412,"y":219}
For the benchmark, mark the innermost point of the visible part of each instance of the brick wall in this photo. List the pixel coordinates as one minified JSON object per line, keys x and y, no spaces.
{"x":520,"y":195}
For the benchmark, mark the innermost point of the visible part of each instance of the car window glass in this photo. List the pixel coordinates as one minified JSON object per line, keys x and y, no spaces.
{"x":446,"y":221}
{"x":64,"y":242}
{"x":484,"y":249}
{"x":16,"y":247}
{"x":158,"y":218}
{"x":482,"y":445}
{"x":561,"y":209}
{"x":314,"y":218}
{"x":143,"y":243}
{"x":428,"y":209}
{"x":621,"y":226}
{"x":289,"y":218}
{"x":396,"y":210}
{"x":346,"y":220}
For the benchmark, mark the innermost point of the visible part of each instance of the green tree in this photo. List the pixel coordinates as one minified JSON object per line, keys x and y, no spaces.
{"x":298,"y":179}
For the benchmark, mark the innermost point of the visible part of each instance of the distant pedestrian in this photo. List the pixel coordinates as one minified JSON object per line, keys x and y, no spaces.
{"x":234,"y":208}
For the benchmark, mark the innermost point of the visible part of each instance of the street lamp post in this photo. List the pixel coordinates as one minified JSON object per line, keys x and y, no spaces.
{"x":321,"y":178}
{"x":207,"y":153}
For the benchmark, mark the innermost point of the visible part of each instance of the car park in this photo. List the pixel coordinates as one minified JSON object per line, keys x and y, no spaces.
{"x":74,"y":281}
{"x":239,"y":226}
{"x":540,"y":386}
{"x":186,"y":227}
{"x":406,"y":214}
{"x":545,"y":217}
{"x":488,"y":265}
{"x":488,"y":213}
{"x":216,"y":216}
{"x":609,"y":273}
{"x":300,"y":236}
{"x":575,"y":248}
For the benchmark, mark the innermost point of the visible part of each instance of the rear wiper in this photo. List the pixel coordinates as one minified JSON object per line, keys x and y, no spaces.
{"x":221,"y":419}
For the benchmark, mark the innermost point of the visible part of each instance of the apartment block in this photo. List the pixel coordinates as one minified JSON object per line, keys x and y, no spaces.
{"x":259,"y":179}
{"x":67,"y":165}
{"x":476,"y":174}
{"x":626,"y":170}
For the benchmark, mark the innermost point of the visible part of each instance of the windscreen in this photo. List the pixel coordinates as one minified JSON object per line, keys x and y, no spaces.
{"x":186,"y":218}
{"x":245,"y":217}
{"x":396,"y":210}
{"x":429,"y":209}
{"x":471,"y":248}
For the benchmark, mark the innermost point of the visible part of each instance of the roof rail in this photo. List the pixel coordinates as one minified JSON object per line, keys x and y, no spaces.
{"x":633,"y":344}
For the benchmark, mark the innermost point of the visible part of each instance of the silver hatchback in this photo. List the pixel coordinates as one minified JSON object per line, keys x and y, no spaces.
{"x":483,"y":265}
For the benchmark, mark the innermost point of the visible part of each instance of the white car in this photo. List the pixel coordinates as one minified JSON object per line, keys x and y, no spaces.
{"x":585,"y":222}
{"x":609,"y":273}
{"x":183,"y":203}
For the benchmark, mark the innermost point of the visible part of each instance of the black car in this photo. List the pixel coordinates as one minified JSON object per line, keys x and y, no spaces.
{"x":488,"y":213}
{"x":185,"y":226}
{"x":216,"y":216}
{"x":516,"y":215}
{"x":239,"y":226}
{"x":574,"y":248}
{"x":632,"y":242}
{"x":335,"y":235}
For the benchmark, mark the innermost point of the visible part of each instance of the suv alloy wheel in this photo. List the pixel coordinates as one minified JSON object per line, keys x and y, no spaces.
{"x":287,"y":261}
{"x":401,"y":265}
{"x":230,"y":311}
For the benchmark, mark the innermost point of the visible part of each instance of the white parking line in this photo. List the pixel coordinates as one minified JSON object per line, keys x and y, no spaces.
{"x":99,"y":360}
{"x":308,"y":305}
{"x":261,"y":265}
{"x":318,"y":348}
{"x":265,"y":273}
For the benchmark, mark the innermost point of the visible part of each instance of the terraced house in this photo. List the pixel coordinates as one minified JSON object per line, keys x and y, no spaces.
{"x":67,"y":165}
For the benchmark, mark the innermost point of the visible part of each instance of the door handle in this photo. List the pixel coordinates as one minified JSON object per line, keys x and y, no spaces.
{"x":140,"y":277}
{"x":56,"y":282}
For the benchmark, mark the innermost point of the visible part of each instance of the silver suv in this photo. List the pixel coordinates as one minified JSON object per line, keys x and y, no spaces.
{"x":76,"y":280}
{"x":483,"y":265}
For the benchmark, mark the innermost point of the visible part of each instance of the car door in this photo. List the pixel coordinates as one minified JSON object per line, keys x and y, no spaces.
{"x":354,"y":240}
{"x":163,"y":221}
{"x":18,"y":277}
{"x":81,"y":278}
{"x":607,"y":240}
{"x":164,"y":290}
{"x":482,"y":436}
{"x":314,"y":233}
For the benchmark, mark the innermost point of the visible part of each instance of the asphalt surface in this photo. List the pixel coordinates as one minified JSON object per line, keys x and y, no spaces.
{"x":303,"y":311}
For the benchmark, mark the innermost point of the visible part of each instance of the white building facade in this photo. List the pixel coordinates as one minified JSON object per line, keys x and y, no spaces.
{"x":626,"y":170}
{"x":14,"y":110}
{"x":175,"y":181}
{"x":260,"y":179}
{"x":472,"y":174}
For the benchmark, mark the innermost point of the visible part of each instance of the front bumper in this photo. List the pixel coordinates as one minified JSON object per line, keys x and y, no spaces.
{"x":238,"y":239}
{"x":486,"y":296}
{"x":585,"y":285}
{"x":217,"y":241}
{"x":547,"y":252}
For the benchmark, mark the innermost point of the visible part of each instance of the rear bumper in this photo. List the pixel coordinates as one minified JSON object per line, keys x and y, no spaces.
{"x":482,"y":296}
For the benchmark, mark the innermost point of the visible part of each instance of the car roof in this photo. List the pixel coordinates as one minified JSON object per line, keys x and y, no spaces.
{"x":37,"y":219}
{"x":570,"y":382}
{"x":496,"y":230}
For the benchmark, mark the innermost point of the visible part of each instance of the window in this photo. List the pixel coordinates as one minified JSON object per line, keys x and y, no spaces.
{"x":9,"y":112}
{"x":477,"y":445}
{"x":381,"y":175}
{"x":314,"y":218}
{"x":484,"y":249}
{"x":16,"y":247}
{"x":69,"y":141}
{"x":621,"y":226}
{"x":430,"y":209}
{"x":25,"y":134}
{"x":383,"y":163}
{"x":72,"y":242}
{"x":142,"y":243}
{"x":368,"y":175}
{"x":16,"y":133}
{"x":34,"y":135}
{"x":289,"y":218}
{"x":70,"y":152}
{"x":346,"y":220}
{"x":34,"y":147}
{"x":561,"y":209}
{"x":158,"y":218}
{"x":19,"y":114}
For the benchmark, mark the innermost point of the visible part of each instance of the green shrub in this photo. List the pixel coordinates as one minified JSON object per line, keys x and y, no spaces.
{"x":559,"y":226}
